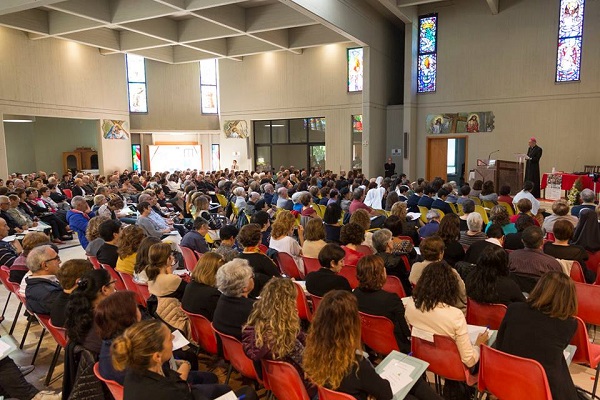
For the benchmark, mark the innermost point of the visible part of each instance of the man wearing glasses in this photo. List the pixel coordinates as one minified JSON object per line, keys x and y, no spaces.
{"x":41,"y":287}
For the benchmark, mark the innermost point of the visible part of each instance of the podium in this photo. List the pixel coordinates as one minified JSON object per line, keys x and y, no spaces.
{"x":502,"y":173}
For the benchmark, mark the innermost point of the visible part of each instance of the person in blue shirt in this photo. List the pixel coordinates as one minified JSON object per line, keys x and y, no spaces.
{"x":432,"y":225}
{"x":440,"y":202}
{"x":427,"y":199}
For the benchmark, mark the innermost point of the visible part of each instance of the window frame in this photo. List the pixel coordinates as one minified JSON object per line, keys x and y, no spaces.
{"x":129,"y":83}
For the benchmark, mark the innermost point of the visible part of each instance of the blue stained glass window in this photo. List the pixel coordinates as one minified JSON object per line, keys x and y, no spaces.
{"x":427,"y":57}
{"x":570,"y":39}
{"x":136,"y":83}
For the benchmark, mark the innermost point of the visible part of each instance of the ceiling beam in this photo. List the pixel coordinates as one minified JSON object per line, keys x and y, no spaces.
{"x":97,"y":10}
{"x":62,"y":23}
{"x":201,"y":4}
{"x":123,"y":11}
{"x":406,"y":14}
{"x":183,"y":54}
{"x":231,"y":16}
{"x":276,"y":16}
{"x":132,"y":41}
{"x":13,"y":6}
{"x":244,"y":46}
{"x":313,"y":36}
{"x":216,"y":47}
{"x":493,"y":6}
{"x":104,"y":38}
{"x":278,"y":38}
{"x":34,"y":21}
{"x":193,"y":30}
{"x":178,"y":4}
{"x":162,"y":54}
{"x":159,"y":28}
{"x":408,"y":3}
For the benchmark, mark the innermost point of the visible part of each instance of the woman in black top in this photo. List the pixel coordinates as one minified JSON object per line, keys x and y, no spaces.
{"x":331,"y":258}
{"x":201,"y":295}
{"x":562,"y":250}
{"x":542,"y":327}
{"x":587,"y":231}
{"x":372,"y":299}
{"x":264,"y":268}
{"x":449,"y":231}
{"x":489,"y":282}
{"x":331,"y":221}
{"x":513,"y":241}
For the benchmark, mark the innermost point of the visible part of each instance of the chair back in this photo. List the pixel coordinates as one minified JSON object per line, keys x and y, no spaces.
{"x":115,"y":388}
{"x":311,"y":264}
{"x":189,"y":258}
{"x":320,"y":211}
{"x":454,"y":208}
{"x":143,"y":290}
{"x":119,"y":285}
{"x":423,"y":210}
{"x":510,"y":377}
{"x":284,"y":380}
{"x":593,"y":261}
{"x":349,"y":272}
{"x":488,"y":204}
{"x":59,"y":334}
{"x":287,"y":265}
{"x":485,"y":314}
{"x":202,"y":332}
{"x":134,"y":287}
{"x":588,"y":307}
{"x":481,"y":211}
{"x":222,"y":200}
{"x":406,"y":238}
{"x":378,"y":333}
{"x":315,"y":301}
{"x":5,"y":278}
{"x":95,"y":262}
{"x":583,"y":354}
{"x":234,"y":352}
{"x":443,"y":358}
{"x":577,"y":273}
{"x":366,"y":250}
{"x":393,"y":285}
{"x":328,"y":394}
{"x":550,"y":237}
{"x":508,"y":208}
{"x":304,"y":311}
{"x":263,"y":249}
{"x":68,"y":193}
{"x":440,"y":212}
{"x":476,"y":200}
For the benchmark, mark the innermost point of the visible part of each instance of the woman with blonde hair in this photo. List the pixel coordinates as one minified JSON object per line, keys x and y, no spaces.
{"x":281,"y":239}
{"x":167,"y":287}
{"x":93,"y":236}
{"x":314,"y":238}
{"x":201,"y":294}
{"x":129,"y":242}
{"x":273,"y":328}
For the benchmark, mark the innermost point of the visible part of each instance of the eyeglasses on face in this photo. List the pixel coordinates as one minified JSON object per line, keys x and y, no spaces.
{"x":57,"y":258}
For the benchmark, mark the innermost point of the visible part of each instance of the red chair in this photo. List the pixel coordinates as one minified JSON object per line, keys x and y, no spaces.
{"x":393,"y":285}
{"x":119,"y":285}
{"x":587,"y":353}
{"x":366,"y":250}
{"x":511,"y":377}
{"x":262,"y":248}
{"x":202,"y":332}
{"x":593,"y":260}
{"x":328,"y":394}
{"x":378,"y":333}
{"x":143,"y":290}
{"x":134,"y":287}
{"x":315,"y":301}
{"x":95,"y":262}
{"x":288,"y":266}
{"x":481,"y":314}
{"x":406,"y":262}
{"x":550,"y":237}
{"x":349,"y":272}
{"x":588,"y":307}
{"x":68,"y":193}
{"x":59,"y":335}
{"x":284,"y":380}
{"x":234,"y":353}
{"x":443,"y":358}
{"x":4,"y":277}
{"x":189,"y":258}
{"x":302,"y":305}
{"x":311,"y":264}
{"x":406,"y":238}
{"x":577,"y":273}
{"x":115,"y":388}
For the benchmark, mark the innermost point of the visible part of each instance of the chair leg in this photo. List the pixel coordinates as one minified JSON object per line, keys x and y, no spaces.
{"x":12,"y":327}
{"x":53,"y":364}
{"x":596,"y":382}
{"x":228,"y":374}
{"x":6,"y":304}
{"x":37,"y":349}
{"x":25,"y":335}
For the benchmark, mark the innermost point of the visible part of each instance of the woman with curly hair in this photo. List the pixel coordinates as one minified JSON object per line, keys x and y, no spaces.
{"x":142,"y":260}
{"x":449,"y":232}
{"x":489,"y":283}
{"x":432,"y":309}
{"x":93,"y":236}
{"x":409,"y":227}
{"x":281,"y":239}
{"x":93,"y":287}
{"x":129,"y":242}
{"x":352,"y":236}
{"x":273,"y":328}
{"x":499,"y":215}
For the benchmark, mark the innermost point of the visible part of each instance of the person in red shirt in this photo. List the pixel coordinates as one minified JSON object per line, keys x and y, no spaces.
{"x":351,"y":236}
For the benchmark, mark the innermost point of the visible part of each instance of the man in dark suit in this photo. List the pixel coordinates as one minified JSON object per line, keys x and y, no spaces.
{"x":495,"y":238}
{"x":440,"y":202}
{"x":390,"y":168}
{"x":532,"y":167}
{"x":413,"y":201}
{"x":427,"y":199}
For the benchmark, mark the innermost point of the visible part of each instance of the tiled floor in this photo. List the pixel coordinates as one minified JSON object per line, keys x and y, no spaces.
{"x":582,"y":376}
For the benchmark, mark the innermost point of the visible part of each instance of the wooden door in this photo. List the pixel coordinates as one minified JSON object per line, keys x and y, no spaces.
{"x":437,"y":158}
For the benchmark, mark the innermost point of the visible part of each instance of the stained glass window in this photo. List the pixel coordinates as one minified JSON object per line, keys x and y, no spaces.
{"x":355,"y":69}
{"x":427,"y":57}
{"x":208,"y":86}
{"x":136,"y":83}
{"x":570,"y":38}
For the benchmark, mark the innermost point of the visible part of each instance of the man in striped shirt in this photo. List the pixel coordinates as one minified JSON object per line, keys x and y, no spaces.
{"x":8,"y":252}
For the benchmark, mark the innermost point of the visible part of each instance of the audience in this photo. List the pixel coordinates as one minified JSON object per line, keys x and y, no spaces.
{"x":201,"y":295}
{"x":361,"y":217}
{"x":560,"y":211}
{"x":352,"y":236}
{"x":432,"y":225}
{"x":505,"y":196}
{"x":93,"y":235}
{"x":68,"y":276}
{"x":524,"y":207}
{"x":587,"y":197}
{"x":150,"y":227}
{"x":499,"y":215}
{"x":449,"y":232}
{"x":283,"y":242}
{"x":331,"y":258}
{"x":495,"y":238}
{"x":142,"y":260}
{"x":474,"y":233}
{"x":195,"y":238}
{"x":263,"y":267}
{"x":41,"y":287}
{"x":393,"y":262}
{"x":228,"y":235}
{"x":587,"y":231}
{"x":468,"y":207}
{"x":129,"y":241}
{"x":78,"y":218}
{"x":440,"y":203}
{"x":488,"y":192}
{"x":332,"y":223}
{"x":110,"y":232}
{"x":314,"y":238}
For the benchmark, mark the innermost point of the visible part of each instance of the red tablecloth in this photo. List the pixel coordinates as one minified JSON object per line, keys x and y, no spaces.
{"x":569,"y":179}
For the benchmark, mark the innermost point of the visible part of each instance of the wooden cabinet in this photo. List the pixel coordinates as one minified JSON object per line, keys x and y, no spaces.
{"x":80,"y":158}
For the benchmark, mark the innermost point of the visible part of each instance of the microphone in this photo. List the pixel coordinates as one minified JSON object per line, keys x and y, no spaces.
{"x":490,"y":155}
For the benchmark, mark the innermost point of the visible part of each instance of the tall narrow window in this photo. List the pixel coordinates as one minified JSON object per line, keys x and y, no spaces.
{"x":355,"y":69}
{"x":570,"y":37}
{"x":136,"y":83}
{"x":208,"y":86}
{"x":427,"y":57}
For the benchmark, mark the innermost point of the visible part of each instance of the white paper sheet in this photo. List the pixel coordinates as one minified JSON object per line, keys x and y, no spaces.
{"x":9,"y":239}
{"x":398,"y":374}
{"x":179,"y":340}
{"x":475,"y":330}
{"x":228,"y":396}
{"x":422,"y":334}
{"x":413,"y":215}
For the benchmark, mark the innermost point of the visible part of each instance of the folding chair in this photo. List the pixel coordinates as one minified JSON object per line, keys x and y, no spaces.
{"x":311,"y":264}
{"x":202,"y":332}
{"x":284,"y":380}
{"x":587,"y":353}
{"x":550,"y":237}
{"x":134,"y":287}
{"x":577,"y":273}
{"x":304,"y":311}
{"x":423,"y":210}
{"x":588,"y":307}
{"x":59,"y":335}
{"x":115,"y":388}
{"x":393,"y":285}
{"x":119,"y":285}
{"x":511,"y":377}
{"x":364,"y":249}
{"x":288,"y":266}
{"x":485,"y":314}
{"x":349,"y":272}
{"x":234,"y":353}
{"x":95,"y":262}
{"x":315,"y":301}
{"x":189,"y":258}
{"x":378,"y":333}
{"x":481,"y":211}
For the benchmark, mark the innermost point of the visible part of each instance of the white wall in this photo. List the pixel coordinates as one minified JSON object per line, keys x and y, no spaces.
{"x":56,"y":78}
{"x":279,"y":86}
{"x":505,"y":63}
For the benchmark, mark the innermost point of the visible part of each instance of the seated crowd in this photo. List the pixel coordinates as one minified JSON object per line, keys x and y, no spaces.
{"x":345,"y":236}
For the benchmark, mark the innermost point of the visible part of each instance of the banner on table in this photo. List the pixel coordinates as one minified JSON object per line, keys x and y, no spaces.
{"x":554,"y":187}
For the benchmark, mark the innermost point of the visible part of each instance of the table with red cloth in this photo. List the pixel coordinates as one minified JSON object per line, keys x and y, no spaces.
{"x":569,"y":179}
